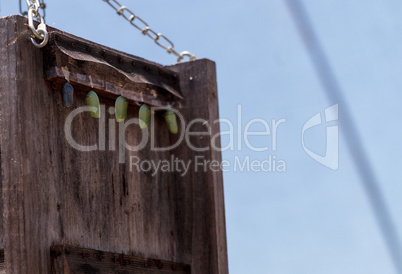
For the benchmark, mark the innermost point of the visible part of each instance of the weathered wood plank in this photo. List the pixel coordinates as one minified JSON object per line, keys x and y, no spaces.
{"x":71,"y":259}
{"x":54,"y":194}
{"x":75,"y":59}
{"x":11,"y":151}
{"x":204,"y":186}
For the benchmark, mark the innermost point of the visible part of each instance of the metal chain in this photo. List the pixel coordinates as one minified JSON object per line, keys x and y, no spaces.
{"x":41,"y":32}
{"x":142,"y":26}
{"x":42,"y":6}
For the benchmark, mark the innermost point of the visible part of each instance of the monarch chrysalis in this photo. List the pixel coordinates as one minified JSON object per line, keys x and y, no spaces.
{"x":92,"y":101}
{"x":171,"y":121}
{"x":121,"y":109}
{"x":67,"y":93}
{"x":144,"y":116}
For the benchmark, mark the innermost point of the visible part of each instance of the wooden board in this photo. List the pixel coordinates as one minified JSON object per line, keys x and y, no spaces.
{"x":110,"y":73}
{"x":53,"y":194}
{"x":71,"y":259}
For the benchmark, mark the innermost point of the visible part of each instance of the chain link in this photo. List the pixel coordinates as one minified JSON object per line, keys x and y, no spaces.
{"x":42,"y":6}
{"x":136,"y":21}
{"x":142,"y":26}
{"x":39,"y":33}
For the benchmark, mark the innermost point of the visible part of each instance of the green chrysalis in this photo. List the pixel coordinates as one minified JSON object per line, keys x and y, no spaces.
{"x":171,"y":121}
{"x":92,"y":101}
{"x":144,"y":116}
{"x":121,"y":109}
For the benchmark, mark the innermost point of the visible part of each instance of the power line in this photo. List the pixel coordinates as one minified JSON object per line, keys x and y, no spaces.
{"x":353,"y":140}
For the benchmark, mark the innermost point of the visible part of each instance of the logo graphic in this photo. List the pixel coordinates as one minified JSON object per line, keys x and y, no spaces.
{"x":331,"y":157}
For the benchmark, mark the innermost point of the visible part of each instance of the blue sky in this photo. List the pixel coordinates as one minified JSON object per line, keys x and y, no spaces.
{"x":309,"y":219}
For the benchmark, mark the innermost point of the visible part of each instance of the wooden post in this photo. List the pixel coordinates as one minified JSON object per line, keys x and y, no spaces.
{"x":71,"y":211}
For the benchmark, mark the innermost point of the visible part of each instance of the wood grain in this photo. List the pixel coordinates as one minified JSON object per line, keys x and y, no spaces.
{"x":206,"y":186}
{"x":88,"y":65}
{"x":71,"y":259}
{"x":53,"y":194}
